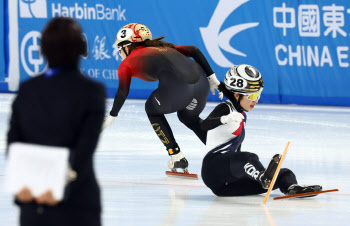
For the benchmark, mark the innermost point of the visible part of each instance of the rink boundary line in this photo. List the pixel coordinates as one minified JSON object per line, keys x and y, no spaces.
{"x":142,"y":183}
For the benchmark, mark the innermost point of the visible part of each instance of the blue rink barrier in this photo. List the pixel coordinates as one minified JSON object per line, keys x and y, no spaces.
{"x":300,"y":47}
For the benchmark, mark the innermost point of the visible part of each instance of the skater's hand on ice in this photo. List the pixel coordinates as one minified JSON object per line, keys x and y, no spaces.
{"x":108,"y":121}
{"x":214,"y":84}
{"x":232,"y":117}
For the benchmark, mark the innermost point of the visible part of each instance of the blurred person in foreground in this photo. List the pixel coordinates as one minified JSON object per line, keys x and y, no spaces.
{"x":61,"y":107}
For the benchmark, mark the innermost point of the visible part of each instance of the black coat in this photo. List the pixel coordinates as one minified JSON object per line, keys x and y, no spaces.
{"x":64,"y":110}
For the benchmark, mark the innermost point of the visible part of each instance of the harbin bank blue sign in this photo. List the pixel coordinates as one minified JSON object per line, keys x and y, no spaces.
{"x":300,"y":47}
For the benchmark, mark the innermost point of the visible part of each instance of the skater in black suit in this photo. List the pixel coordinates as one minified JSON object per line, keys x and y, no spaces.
{"x":227,"y":170}
{"x":183,"y":84}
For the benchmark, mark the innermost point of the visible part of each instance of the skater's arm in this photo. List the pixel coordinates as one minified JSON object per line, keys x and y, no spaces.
{"x":197,"y":55}
{"x":214,"y":118}
{"x":124,"y":74}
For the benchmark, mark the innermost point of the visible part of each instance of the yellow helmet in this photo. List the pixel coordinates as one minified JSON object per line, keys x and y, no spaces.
{"x":133,"y":32}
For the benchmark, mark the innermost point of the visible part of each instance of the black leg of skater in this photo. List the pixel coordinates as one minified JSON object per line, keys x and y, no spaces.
{"x":173,"y":95}
{"x":189,"y":116}
{"x":155,"y":112}
{"x":236,"y":174}
{"x":162,"y":128}
{"x":193,"y":124}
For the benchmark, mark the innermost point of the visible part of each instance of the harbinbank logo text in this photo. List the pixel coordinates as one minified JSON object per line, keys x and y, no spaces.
{"x":38,"y":9}
{"x":96,"y":12}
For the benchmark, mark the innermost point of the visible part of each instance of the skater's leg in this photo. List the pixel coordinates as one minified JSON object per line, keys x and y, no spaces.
{"x":155,"y":113}
{"x":247,"y":186}
{"x":190,"y":115}
{"x":245,"y":165}
{"x":266,"y":176}
{"x":193,"y":123}
{"x":216,"y":171}
{"x":162,"y":129}
{"x":285,"y":179}
{"x":171,"y":96}
{"x":300,"y":189}
{"x":232,"y":173}
{"x":241,"y":187}
{"x":287,"y":183}
{"x":164,"y":132}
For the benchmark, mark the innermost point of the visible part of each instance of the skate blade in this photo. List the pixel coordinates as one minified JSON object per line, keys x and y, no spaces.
{"x":308,"y":194}
{"x":184,"y":174}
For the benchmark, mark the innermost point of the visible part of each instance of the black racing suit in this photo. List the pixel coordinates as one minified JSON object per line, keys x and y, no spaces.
{"x":183,"y":87}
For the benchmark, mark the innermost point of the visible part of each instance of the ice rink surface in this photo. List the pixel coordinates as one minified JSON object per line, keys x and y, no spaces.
{"x":131,"y":162}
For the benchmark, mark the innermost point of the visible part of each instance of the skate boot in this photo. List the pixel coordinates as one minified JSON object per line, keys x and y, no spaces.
{"x":299,"y":189}
{"x":265,"y":177}
{"x":178,"y":161}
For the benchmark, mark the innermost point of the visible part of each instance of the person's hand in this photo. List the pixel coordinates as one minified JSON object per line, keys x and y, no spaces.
{"x":24,"y":195}
{"x":232,"y":117}
{"x":47,"y":199}
{"x":108,"y":121}
{"x":214,"y":84}
{"x":221,"y":95}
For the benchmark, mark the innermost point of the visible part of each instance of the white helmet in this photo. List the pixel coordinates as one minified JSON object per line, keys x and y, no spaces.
{"x":133,"y":32}
{"x":244,"y":79}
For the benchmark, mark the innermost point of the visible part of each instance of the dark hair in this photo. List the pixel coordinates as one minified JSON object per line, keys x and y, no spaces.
{"x":227,"y":93}
{"x":156,"y":42}
{"x":62,"y":43}
{"x":230,"y":95}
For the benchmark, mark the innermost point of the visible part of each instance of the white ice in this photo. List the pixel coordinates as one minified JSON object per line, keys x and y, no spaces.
{"x":131,"y":162}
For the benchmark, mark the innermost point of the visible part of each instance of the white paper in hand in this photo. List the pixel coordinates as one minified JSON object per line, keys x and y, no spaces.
{"x":38,"y":167}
